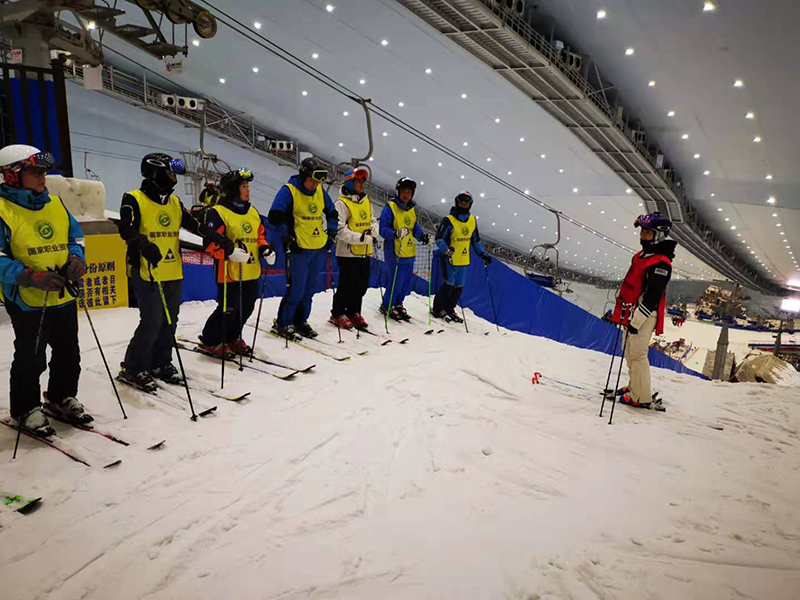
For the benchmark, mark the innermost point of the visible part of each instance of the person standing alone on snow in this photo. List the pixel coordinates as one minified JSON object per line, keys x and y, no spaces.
{"x":150,"y":220}
{"x":354,"y":243}
{"x":457,"y":233}
{"x":641,"y":303}
{"x":399,"y":227}
{"x":41,"y":256}
{"x":299,"y":214}
{"x":234,"y":236}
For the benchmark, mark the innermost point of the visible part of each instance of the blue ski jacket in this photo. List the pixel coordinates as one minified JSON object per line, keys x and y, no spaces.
{"x":387,"y":232}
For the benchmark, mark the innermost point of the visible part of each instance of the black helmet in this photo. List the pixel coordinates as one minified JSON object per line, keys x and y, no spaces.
{"x":156,"y":167}
{"x":462,"y":197}
{"x":405,"y":182}
{"x":230,"y":182}
{"x":313,"y":168}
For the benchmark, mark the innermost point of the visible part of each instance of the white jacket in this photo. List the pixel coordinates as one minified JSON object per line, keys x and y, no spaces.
{"x":346,"y":236}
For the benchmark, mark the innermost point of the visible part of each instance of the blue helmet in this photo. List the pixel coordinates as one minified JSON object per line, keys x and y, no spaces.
{"x":656,"y":222}
{"x":351,"y":175}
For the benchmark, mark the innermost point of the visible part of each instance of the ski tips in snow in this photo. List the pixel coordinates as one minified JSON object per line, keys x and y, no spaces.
{"x":157,"y":446}
{"x":18,"y":503}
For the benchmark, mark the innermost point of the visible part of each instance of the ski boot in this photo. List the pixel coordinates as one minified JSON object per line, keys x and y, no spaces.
{"x":217,"y":351}
{"x":168,"y":374}
{"x":141,"y":381}
{"x":69,"y":409}
{"x":358,"y":322}
{"x":35,"y":422}
{"x":240,"y":347}
{"x":341,"y":321}
{"x":439,"y":314}
{"x":287,"y":332}
{"x":453,"y":316}
{"x":394,"y":314}
{"x":305,"y":330}
{"x":402,"y":312}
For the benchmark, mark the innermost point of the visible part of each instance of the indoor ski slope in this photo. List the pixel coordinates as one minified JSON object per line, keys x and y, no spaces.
{"x":430,"y":470}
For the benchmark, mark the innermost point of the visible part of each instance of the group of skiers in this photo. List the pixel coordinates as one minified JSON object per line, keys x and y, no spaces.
{"x":42,"y":261}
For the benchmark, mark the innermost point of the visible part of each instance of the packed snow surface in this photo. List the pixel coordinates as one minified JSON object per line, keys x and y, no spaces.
{"x":435,"y":469}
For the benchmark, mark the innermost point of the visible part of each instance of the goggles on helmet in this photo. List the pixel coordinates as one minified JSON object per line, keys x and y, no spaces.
{"x":652,"y":221}
{"x":177,"y":166}
{"x":319,"y":175}
{"x":464,"y":198}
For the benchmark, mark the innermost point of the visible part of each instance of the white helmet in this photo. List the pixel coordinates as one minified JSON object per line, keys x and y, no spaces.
{"x":16,"y":157}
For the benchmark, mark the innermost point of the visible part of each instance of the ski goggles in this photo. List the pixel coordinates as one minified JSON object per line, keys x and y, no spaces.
{"x":41,"y":160}
{"x":177,"y":166}
{"x":359,"y":173}
{"x":319,"y":175}
{"x":464,"y":199}
{"x":245,"y":174}
{"x":651,"y":221}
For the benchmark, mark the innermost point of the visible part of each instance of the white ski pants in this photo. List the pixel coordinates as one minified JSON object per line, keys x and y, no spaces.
{"x":638,"y":365}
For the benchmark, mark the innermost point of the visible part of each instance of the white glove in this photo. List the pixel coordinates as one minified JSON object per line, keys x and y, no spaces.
{"x":401,"y":233}
{"x":374,"y":230}
{"x":270,"y":257}
{"x":239,"y":256}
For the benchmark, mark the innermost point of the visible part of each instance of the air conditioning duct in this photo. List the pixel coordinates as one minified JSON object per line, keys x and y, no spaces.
{"x":188,"y":103}
{"x":281,"y":146}
{"x":169,"y":100}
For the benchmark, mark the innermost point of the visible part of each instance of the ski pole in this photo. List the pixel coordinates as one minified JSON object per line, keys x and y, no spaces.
{"x":224,"y":317}
{"x":333,"y":286}
{"x":463,"y":314}
{"x":174,"y":342}
{"x":391,"y":295}
{"x":102,"y":354}
{"x":258,"y":317}
{"x":491,"y":296}
{"x":610,"y":368}
{"x":430,"y":278}
{"x":288,"y":287}
{"x":241,"y":313}
{"x":619,"y":374}
{"x":21,"y":424}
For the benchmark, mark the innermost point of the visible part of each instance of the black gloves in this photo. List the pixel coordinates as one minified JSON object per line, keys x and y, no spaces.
{"x":486,"y":258}
{"x":331,"y":240}
{"x":426,"y":239}
{"x":632,"y":330}
{"x":152,"y":254}
{"x":48,"y":281}
{"x":449,"y":251}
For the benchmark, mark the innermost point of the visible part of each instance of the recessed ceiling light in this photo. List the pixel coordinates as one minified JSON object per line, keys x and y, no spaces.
{"x":413,"y":149}
{"x":522,"y":139}
{"x":713,"y":194}
{"x":362,"y":81}
{"x":629,"y":191}
{"x":543,"y":156}
{"x":685,"y":136}
{"x":401,"y":104}
{"x":727,"y":218}
{"x":440,"y":164}
{"x":768,"y":177}
{"x":629,"y":51}
{"x":750,"y":115}
{"x":305,"y":93}
{"x":601,"y":14}
{"x":91,"y":25}
{"x":671,"y":113}
{"x":255,"y":69}
{"x":509,"y":173}
{"x":462,"y":177}
{"x":398,"y":171}
{"x":315,"y":56}
{"x":706,"y":173}
{"x":438,"y":126}
{"x":428,"y":71}
{"x":222,"y":80}
{"x":443,"y":200}
{"x":738,"y":83}
{"x":709,"y":7}
{"x":488,"y":159}
{"x":574,"y":190}
{"x":330,"y":8}
{"x":371,"y":158}
{"x":257,"y":25}
{"x":195,"y":42}
{"x":774,"y":214}
{"x":719,"y":210}
{"x":757,"y":139}
{"x":422,"y":183}
{"x":463,"y":96}
{"x":527,"y":192}
{"x":385,"y":133}
{"x":777,"y":224}
{"x":696,"y":156}
{"x":493,"y":224}
{"x":652,"y":83}
{"x":561,"y":170}
{"x":497,"y":120}
{"x":465,"y":144}
{"x":384,"y":42}
{"x":481,"y":194}
{"x":341,"y":145}
{"x":589,"y":203}
{"x":346,"y":114}
{"x":771,"y":200}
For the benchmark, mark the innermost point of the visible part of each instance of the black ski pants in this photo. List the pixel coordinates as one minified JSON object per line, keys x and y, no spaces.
{"x":353,"y":284}
{"x":151,"y":345}
{"x":60,"y":332}
{"x":446,"y":298}
{"x":212,"y":332}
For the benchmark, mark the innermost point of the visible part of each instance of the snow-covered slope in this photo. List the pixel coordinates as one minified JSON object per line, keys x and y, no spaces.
{"x":434,"y":469}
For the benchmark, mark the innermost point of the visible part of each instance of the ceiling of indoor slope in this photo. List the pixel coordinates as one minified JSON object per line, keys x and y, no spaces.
{"x":380,"y":51}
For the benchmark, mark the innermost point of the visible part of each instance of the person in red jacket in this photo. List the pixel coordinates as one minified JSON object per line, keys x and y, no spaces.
{"x":641,"y":304}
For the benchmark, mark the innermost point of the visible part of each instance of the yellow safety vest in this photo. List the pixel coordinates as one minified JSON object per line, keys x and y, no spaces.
{"x":242,"y":228}
{"x":460,"y":239}
{"x":161,"y":224}
{"x":39,"y":240}
{"x":360,"y":221}
{"x":308,"y":218}
{"x":404,"y":248}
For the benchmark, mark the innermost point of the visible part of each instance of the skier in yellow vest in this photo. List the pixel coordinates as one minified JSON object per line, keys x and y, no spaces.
{"x":150,"y":221}
{"x":400,"y":229}
{"x":299,"y":215}
{"x":41,"y":253}
{"x":456,"y":235}
{"x":234,"y":236}
{"x":354,"y":242}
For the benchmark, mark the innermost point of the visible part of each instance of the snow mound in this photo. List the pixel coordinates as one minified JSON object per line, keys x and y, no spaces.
{"x":437,"y":468}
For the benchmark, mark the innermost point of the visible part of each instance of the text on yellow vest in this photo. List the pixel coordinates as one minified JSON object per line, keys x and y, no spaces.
{"x":460,"y":239}
{"x":161,"y":224}
{"x":40,"y":241}
{"x":360,"y":221}
{"x":308,"y":212}
{"x":244,"y":229}
{"x":405,"y":247}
